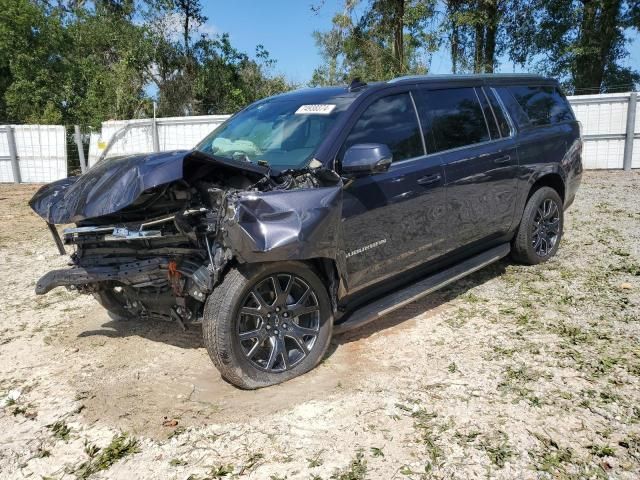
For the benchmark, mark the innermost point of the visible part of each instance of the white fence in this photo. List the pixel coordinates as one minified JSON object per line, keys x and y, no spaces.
{"x":32,"y":153}
{"x":120,"y":137}
{"x":610,"y":130}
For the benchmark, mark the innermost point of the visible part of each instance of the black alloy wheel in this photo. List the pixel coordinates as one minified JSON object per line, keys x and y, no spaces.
{"x":279,"y":322}
{"x":267,"y":323}
{"x":546,"y":227}
{"x":541,"y":226}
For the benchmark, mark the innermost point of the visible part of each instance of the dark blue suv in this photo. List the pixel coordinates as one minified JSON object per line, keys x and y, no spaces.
{"x":317,"y":211}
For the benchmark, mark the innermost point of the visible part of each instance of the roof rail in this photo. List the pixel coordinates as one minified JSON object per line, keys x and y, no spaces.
{"x":446,"y":76}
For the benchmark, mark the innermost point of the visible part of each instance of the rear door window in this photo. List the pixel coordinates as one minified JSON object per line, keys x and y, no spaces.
{"x":452,"y":118}
{"x":390,"y":120}
{"x":544,"y":105}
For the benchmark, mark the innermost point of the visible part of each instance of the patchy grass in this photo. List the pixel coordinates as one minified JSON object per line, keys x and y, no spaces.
{"x":357,"y":469}
{"x":498,"y":449}
{"x":60,"y":430}
{"x":121,"y":446}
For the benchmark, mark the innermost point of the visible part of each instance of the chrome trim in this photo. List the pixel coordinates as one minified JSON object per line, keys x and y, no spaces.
{"x":124,"y":233}
{"x":69,"y":231}
{"x":486,"y":123}
{"x":454,"y":149}
{"x":512,"y":127}
{"x":415,"y":109}
{"x":493,"y":113}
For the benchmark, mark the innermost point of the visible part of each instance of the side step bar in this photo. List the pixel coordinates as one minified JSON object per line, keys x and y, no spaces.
{"x":379,"y":308}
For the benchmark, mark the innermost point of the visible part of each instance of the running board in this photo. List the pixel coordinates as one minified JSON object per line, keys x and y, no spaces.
{"x":379,"y":308}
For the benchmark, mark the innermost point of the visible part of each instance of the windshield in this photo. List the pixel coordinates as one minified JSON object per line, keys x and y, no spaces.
{"x":280,"y":133}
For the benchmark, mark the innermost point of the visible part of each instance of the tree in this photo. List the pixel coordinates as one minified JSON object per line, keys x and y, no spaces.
{"x":75,"y":61}
{"x":376,"y":40}
{"x":583,"y":43}
{"x":479,"y":31}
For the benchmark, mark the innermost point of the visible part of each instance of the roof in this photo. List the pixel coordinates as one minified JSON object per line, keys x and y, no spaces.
{"x":319,"y":94}
{"x":333,"y":93}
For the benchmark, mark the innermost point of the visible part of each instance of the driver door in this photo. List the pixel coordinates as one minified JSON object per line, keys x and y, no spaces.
{"x":392,"y":221}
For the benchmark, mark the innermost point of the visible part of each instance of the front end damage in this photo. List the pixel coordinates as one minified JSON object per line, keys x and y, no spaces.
{"x":155,"y":234}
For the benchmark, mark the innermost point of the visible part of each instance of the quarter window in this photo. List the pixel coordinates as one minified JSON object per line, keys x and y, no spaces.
{"x":453,"y":118}
{"x":544,"y":105}
{"x":390,"y":120}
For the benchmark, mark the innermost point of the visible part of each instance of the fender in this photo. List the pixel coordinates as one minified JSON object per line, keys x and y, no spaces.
{"x":274,"y":226}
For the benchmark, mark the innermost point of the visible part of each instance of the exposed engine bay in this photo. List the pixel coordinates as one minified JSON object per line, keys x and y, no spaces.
{"x":156,"y":233}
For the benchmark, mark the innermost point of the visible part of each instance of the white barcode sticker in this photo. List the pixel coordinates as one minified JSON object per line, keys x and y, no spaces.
{"x":319,"y":109}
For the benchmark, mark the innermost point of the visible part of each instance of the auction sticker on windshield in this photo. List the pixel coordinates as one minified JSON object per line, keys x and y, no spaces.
{"x":319,"y":109}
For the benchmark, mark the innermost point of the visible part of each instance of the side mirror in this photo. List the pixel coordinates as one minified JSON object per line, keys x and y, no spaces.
{"x":366,"y":158}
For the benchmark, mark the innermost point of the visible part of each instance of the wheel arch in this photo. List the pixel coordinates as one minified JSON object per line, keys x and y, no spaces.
{"x":329,"y":273}
{"x":548,"y":179}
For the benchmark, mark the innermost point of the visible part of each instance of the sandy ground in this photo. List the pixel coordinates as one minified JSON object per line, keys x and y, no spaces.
{"x":513,"y":372}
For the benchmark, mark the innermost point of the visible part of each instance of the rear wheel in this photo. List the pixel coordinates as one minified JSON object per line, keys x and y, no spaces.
{"x":267,"y":324}
{"x":540,"y":229}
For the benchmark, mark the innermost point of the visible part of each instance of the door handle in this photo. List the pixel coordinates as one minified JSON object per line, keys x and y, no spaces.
{"x":429,"y":179}
{"x":503,"y":159}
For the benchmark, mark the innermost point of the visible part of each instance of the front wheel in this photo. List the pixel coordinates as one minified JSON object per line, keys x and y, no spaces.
{"x":266,"y":324}
{"x":540,"y":229}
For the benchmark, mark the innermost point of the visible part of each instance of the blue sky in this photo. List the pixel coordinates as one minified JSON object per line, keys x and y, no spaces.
{"x":285,"y":28}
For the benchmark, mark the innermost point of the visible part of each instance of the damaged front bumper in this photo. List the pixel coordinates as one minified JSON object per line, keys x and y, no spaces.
{"x":138,"y":273}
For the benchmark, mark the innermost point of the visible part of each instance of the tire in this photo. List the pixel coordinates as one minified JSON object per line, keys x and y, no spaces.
{"x":277,"y":345}
{"x":114,"y":305}
{"x":540,"y":230}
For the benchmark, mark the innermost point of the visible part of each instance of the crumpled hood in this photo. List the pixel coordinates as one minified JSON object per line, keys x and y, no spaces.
{"x":116,"y":183}
{"x":106,"y":188}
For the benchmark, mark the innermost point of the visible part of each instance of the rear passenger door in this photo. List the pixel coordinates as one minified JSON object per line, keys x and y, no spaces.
{"x":392,"y":221}
{"x":547,"y":127}
{"x":478,"y":151}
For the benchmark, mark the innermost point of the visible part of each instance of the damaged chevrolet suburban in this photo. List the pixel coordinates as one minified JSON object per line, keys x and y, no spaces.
{"x":320,"y":210}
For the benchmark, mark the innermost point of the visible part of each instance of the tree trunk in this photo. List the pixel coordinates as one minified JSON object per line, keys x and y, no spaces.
{"x":595,"y":44}
{"x":478,"y":58}
{"x":455,"y":45}
{"x":187,"y":17}
{"x":453,"y":9}
{"x":492,"y":21}
{"x":398,"y":36}
{"x":609,"y":20}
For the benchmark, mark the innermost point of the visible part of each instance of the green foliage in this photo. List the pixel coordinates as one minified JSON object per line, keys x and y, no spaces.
{"x":581,"y":43}
{"x":357,"y":469}
{"x":120,"y":447}
{"x":379,"y":41}
{"x":87,"y":62}
{"x":60,"y":430}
